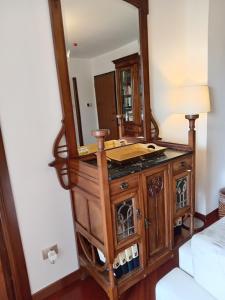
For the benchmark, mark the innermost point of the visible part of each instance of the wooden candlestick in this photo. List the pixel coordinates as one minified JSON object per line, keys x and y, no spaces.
{"x":100,"y":135}
{"x":120,"y":125}
{"x":192,"y":145}
{"x":192,"y":132}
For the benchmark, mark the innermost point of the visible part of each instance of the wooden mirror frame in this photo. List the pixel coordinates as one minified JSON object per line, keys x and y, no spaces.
{"x":150,"y":127}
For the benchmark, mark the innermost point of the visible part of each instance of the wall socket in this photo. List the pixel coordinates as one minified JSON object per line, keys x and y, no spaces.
{"x":45,"y":251}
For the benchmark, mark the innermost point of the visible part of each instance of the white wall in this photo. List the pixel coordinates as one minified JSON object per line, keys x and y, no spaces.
{"x":103,"y":63}
{"x":178,"y":56}
{"x":197,"y":16}
{"x":216,"y":120}
{"x":81,"y":69}
{"x":30,"y":117}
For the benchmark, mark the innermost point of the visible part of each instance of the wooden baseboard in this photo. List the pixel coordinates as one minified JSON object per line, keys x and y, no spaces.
{"x":210,"y":218}
{"x":58,"y":285}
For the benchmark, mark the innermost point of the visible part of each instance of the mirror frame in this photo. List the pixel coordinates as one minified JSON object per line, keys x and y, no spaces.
{"x":150,"y":126}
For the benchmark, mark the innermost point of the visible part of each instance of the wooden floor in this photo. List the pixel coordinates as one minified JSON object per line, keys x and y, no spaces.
{"x":88,"y":289}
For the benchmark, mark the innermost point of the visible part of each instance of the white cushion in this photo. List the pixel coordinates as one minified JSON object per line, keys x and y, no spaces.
{"x":185,"y":258}
{"x":178,"y":285}
{"x":208,"y":251}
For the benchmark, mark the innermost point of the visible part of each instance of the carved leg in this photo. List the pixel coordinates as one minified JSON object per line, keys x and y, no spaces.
{"x":83,"y":274}
{"x":113,"y":293}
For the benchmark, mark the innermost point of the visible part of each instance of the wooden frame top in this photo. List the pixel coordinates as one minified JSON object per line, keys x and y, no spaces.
{"x":63,"y":77}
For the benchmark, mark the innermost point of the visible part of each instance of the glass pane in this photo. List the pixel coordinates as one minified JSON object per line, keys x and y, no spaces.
{"x":127,"y":97}
{"x":125,"y":219}
{"x":182,"y":192}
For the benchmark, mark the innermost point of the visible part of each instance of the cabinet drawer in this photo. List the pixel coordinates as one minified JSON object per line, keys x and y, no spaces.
{"x":123,"y":184}
{"x":183,"y":164}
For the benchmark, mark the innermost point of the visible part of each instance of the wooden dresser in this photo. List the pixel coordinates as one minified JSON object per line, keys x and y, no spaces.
{"x":139,"y":203}
{"x":128,"y":218}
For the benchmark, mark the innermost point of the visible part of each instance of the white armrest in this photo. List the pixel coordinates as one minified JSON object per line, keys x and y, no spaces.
{"x":178,"y":285}
{"x":208,"y":251}
{"x":185,"y":258}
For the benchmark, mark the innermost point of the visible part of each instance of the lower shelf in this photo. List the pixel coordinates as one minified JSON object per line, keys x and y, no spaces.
{"x":131,"y":278}
{"x":123,"y":284}
{"x":181,"y":237}
{"x":198,"y":224}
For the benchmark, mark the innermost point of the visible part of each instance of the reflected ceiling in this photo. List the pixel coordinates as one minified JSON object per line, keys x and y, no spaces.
{"x":98,"y":26}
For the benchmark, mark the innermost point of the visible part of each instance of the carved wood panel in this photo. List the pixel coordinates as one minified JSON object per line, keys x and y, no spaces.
{"x":157,"y":212}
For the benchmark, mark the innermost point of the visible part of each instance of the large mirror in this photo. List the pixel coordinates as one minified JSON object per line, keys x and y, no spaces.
{"x":101,"y":50}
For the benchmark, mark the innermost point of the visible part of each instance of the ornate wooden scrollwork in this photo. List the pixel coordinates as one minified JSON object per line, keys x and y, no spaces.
{"x":155,"y":186}
{"x":89,"y":251}
{"x":154,"y":129}
{"x":60,"y":148}
{"x":61,"y":162}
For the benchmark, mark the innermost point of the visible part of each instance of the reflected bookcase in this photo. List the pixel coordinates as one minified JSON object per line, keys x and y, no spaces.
{"x":128,"y":88}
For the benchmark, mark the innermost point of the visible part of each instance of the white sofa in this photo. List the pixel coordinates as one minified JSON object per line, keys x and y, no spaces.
{"x":201,"y":272}
{"x":178,"y":285}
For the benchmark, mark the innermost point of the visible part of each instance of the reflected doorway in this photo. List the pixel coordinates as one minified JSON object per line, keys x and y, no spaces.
{"x":77,"y":109}
{"x":105,"y":93}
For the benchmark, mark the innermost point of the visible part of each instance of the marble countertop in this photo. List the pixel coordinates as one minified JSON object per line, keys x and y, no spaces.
{"x":116,"y":170}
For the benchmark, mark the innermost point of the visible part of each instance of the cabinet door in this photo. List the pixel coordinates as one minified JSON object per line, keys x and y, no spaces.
{"x":182,"y":206}
{"x":157,"y":219}
{"x":127,"y":217}
{"x":182,"y":193}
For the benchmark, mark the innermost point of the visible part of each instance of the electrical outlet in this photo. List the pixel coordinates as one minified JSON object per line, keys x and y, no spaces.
{"x":45,"y":251}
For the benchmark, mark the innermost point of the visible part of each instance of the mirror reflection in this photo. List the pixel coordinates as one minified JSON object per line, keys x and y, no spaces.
{"x":102,"y":43}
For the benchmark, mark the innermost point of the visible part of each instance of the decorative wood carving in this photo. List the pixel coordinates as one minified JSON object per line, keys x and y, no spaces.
{"x":60,"y":148}
{"x":155,"y":186}
{"x":61,"y":162}
{"x":154,"y":129}
{"x":157,"y":213}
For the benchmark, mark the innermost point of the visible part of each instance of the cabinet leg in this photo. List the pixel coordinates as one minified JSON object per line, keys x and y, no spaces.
{"x":83,"y":274}
{"x":113,"y":294}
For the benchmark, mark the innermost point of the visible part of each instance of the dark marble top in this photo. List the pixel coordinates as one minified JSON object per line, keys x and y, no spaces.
{"x":116,"y":170}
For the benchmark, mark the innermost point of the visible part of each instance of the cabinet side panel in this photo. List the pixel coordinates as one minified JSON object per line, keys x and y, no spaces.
{"x":95,"y":217}
{"x":81,"y":209}
{"x":88,"y":213}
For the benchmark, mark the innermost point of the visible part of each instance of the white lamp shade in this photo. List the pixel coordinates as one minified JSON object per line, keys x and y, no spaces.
{"x":191,"y":100}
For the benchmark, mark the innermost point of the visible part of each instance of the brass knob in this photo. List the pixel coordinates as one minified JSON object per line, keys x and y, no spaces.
{"x":147,"y":223}
{"x":185,"y":165}
{"x":124,"y":186}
